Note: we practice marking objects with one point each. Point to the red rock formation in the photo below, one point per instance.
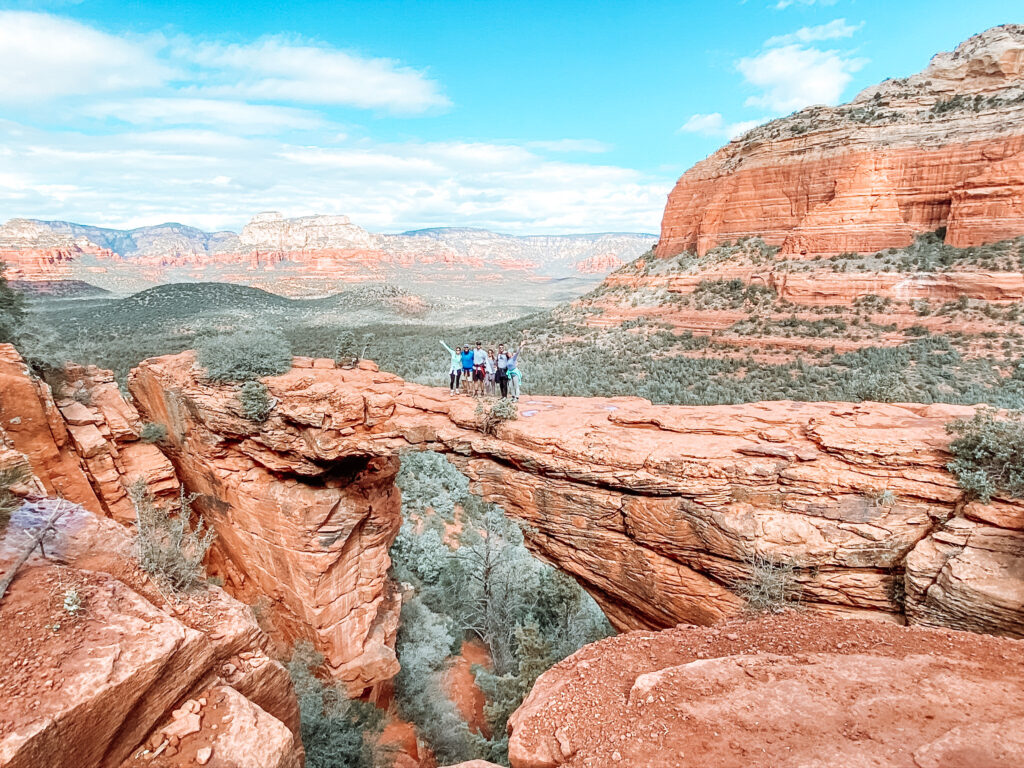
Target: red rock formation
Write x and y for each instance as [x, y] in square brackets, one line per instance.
[790, 690]
[990, 206]
[938, 149]
[598, 265]
[87, 449]
[656, 510]
[90, 687]
[310, 533]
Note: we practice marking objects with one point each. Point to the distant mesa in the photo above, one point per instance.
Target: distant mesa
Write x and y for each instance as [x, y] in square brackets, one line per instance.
[943, 149]
[330, 246]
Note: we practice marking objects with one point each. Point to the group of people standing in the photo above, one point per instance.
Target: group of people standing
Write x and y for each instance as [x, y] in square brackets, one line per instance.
[481, 372]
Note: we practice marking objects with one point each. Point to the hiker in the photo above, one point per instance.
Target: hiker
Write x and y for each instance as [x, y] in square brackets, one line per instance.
[479, 369]
[515, 378]
[455, 370]
[467, 368]
[501, 371]
[490, 369]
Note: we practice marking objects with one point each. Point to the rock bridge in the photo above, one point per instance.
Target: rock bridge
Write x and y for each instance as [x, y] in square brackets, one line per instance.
[658, 511]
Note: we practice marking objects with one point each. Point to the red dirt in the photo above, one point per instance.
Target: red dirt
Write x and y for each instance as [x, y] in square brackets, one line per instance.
[461, 687]
[39, 636]
[802, 702]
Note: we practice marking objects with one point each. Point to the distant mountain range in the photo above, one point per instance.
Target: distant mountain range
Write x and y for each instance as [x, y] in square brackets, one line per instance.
[314, 247]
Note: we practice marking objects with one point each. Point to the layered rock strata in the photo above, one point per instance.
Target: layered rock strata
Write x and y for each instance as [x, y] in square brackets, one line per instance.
[660, 512]
[82, 443]
[940, 149]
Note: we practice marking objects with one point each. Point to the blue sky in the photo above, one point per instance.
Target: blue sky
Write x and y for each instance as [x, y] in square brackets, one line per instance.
[525, 117]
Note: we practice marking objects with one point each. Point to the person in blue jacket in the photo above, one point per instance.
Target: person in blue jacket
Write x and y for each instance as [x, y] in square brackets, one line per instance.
[467, 368]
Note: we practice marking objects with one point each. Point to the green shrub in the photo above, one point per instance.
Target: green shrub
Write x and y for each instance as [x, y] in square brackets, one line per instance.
[498, 413]
[10, 476]
[152, 432]
[337, 732]
[884, 498]
[770, 585]
[244, 354]
[255, 400]
[165, 542]
[485, 586]
[988, 454]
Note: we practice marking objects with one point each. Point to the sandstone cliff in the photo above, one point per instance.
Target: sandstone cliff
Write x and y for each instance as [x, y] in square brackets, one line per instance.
[130, 673]
[940, 149]
[99, 684]
[660, 512]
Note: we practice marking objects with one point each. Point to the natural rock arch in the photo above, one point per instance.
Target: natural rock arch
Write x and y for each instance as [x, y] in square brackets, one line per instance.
[655, 510]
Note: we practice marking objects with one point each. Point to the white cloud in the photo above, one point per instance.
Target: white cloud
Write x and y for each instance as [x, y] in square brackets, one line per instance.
[235, 115]
[793, 76]
[277, 69]
[834, 30]
[214, 180]
[783, 4]
[44, 57]
[208, 132]
[590, 146]
[714, 125]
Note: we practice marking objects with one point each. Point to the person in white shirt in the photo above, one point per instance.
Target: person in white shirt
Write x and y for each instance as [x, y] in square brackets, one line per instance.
[490, 370]
[479, 369]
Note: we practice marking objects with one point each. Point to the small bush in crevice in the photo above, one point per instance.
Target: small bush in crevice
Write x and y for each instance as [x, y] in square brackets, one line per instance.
[988, 454]
[166, 544]
[152, 432]
[255, 400]
[82, 395]
[245, 354]
[885, 498]
[8, 501]
[493, 415]
[337, 732]
[770, 586]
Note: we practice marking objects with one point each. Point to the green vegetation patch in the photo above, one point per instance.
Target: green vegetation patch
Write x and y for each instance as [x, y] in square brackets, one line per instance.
[988, 454]
[475, 580]
[244, 354]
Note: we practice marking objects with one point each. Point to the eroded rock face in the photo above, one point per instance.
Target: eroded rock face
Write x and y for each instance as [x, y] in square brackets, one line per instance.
[658, 511]
[82, 443]
[790, 690]
[940, 149]
[87, 681]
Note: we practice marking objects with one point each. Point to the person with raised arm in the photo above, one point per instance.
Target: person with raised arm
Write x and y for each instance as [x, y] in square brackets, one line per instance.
[455, 370]
[515, 377]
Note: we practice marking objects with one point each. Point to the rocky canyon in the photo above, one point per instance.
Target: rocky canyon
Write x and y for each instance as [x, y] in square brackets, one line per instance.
[659, 512]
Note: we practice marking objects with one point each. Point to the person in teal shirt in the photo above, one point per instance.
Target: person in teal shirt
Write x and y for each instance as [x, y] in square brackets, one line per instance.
[455, 371]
